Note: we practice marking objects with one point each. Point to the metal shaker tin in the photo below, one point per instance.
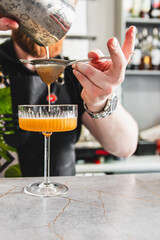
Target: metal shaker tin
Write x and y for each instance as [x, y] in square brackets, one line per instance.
[44, 21]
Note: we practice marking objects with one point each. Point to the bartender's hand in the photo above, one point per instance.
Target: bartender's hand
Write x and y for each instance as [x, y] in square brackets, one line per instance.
[99, 78]
[7, 23]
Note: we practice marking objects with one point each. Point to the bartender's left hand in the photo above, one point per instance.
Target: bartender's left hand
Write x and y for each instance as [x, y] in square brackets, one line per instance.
[99, 78]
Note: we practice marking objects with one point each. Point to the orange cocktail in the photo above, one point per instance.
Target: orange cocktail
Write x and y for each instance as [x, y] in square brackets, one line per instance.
[48, 124]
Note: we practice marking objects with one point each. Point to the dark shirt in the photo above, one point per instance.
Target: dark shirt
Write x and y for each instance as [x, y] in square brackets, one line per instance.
[27, 88]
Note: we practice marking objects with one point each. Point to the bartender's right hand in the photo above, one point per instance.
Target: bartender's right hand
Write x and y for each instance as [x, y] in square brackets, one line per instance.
[7, 23]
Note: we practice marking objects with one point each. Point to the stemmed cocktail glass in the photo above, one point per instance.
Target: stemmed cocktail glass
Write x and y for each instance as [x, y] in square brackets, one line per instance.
[47, 119]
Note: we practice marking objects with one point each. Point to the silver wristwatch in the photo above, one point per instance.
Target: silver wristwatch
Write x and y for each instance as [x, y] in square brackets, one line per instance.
[111, 105]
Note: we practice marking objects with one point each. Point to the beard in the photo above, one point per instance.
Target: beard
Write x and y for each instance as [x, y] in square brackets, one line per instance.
[33, 49]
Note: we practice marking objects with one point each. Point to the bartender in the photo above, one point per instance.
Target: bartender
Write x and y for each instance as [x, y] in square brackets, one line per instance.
[91, 86]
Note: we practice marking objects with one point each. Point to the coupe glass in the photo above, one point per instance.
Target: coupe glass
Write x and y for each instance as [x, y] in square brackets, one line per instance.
[47, 119]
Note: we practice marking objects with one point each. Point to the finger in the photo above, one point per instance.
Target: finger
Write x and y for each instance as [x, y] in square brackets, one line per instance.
[88, 76]
[84, 80]
[128, 46]
[86, 71]
[8, 24]
[95, 54]
[119, 61]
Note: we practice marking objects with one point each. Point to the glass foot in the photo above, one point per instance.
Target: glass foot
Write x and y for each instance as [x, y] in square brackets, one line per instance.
[45, 190]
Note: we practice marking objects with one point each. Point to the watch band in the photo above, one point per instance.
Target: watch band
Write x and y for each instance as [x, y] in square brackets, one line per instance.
[109, 108]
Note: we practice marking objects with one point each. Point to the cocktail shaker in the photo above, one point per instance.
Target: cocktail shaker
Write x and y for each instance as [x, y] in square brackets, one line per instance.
[44, 21]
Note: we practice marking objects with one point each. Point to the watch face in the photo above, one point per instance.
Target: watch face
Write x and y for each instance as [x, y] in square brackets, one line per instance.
[114, 103]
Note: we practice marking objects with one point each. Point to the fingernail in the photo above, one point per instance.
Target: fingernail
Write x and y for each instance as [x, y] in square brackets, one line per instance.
[13, 25]
[114, 43]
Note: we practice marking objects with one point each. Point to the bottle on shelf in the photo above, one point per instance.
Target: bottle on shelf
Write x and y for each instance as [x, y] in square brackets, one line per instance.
[136, 8]
[146, 51]
[136, 57]
[154, 11]
[155, 51]
[128, 8]
[145, 7]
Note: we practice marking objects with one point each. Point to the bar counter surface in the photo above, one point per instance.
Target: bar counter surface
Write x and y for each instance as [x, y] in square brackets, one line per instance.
[110, 207]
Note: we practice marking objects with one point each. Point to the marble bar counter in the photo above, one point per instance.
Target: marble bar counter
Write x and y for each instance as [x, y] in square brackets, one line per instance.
[110, 207]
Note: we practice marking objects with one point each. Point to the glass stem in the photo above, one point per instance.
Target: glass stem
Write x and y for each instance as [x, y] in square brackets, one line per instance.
[46, 180]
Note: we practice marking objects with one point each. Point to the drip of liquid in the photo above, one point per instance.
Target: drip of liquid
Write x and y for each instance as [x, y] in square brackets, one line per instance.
[47, 51]
[49, 85]
[49, 94]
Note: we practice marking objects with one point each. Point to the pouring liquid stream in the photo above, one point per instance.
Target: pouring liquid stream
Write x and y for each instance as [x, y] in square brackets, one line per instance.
[47, 51]
[49, 85]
